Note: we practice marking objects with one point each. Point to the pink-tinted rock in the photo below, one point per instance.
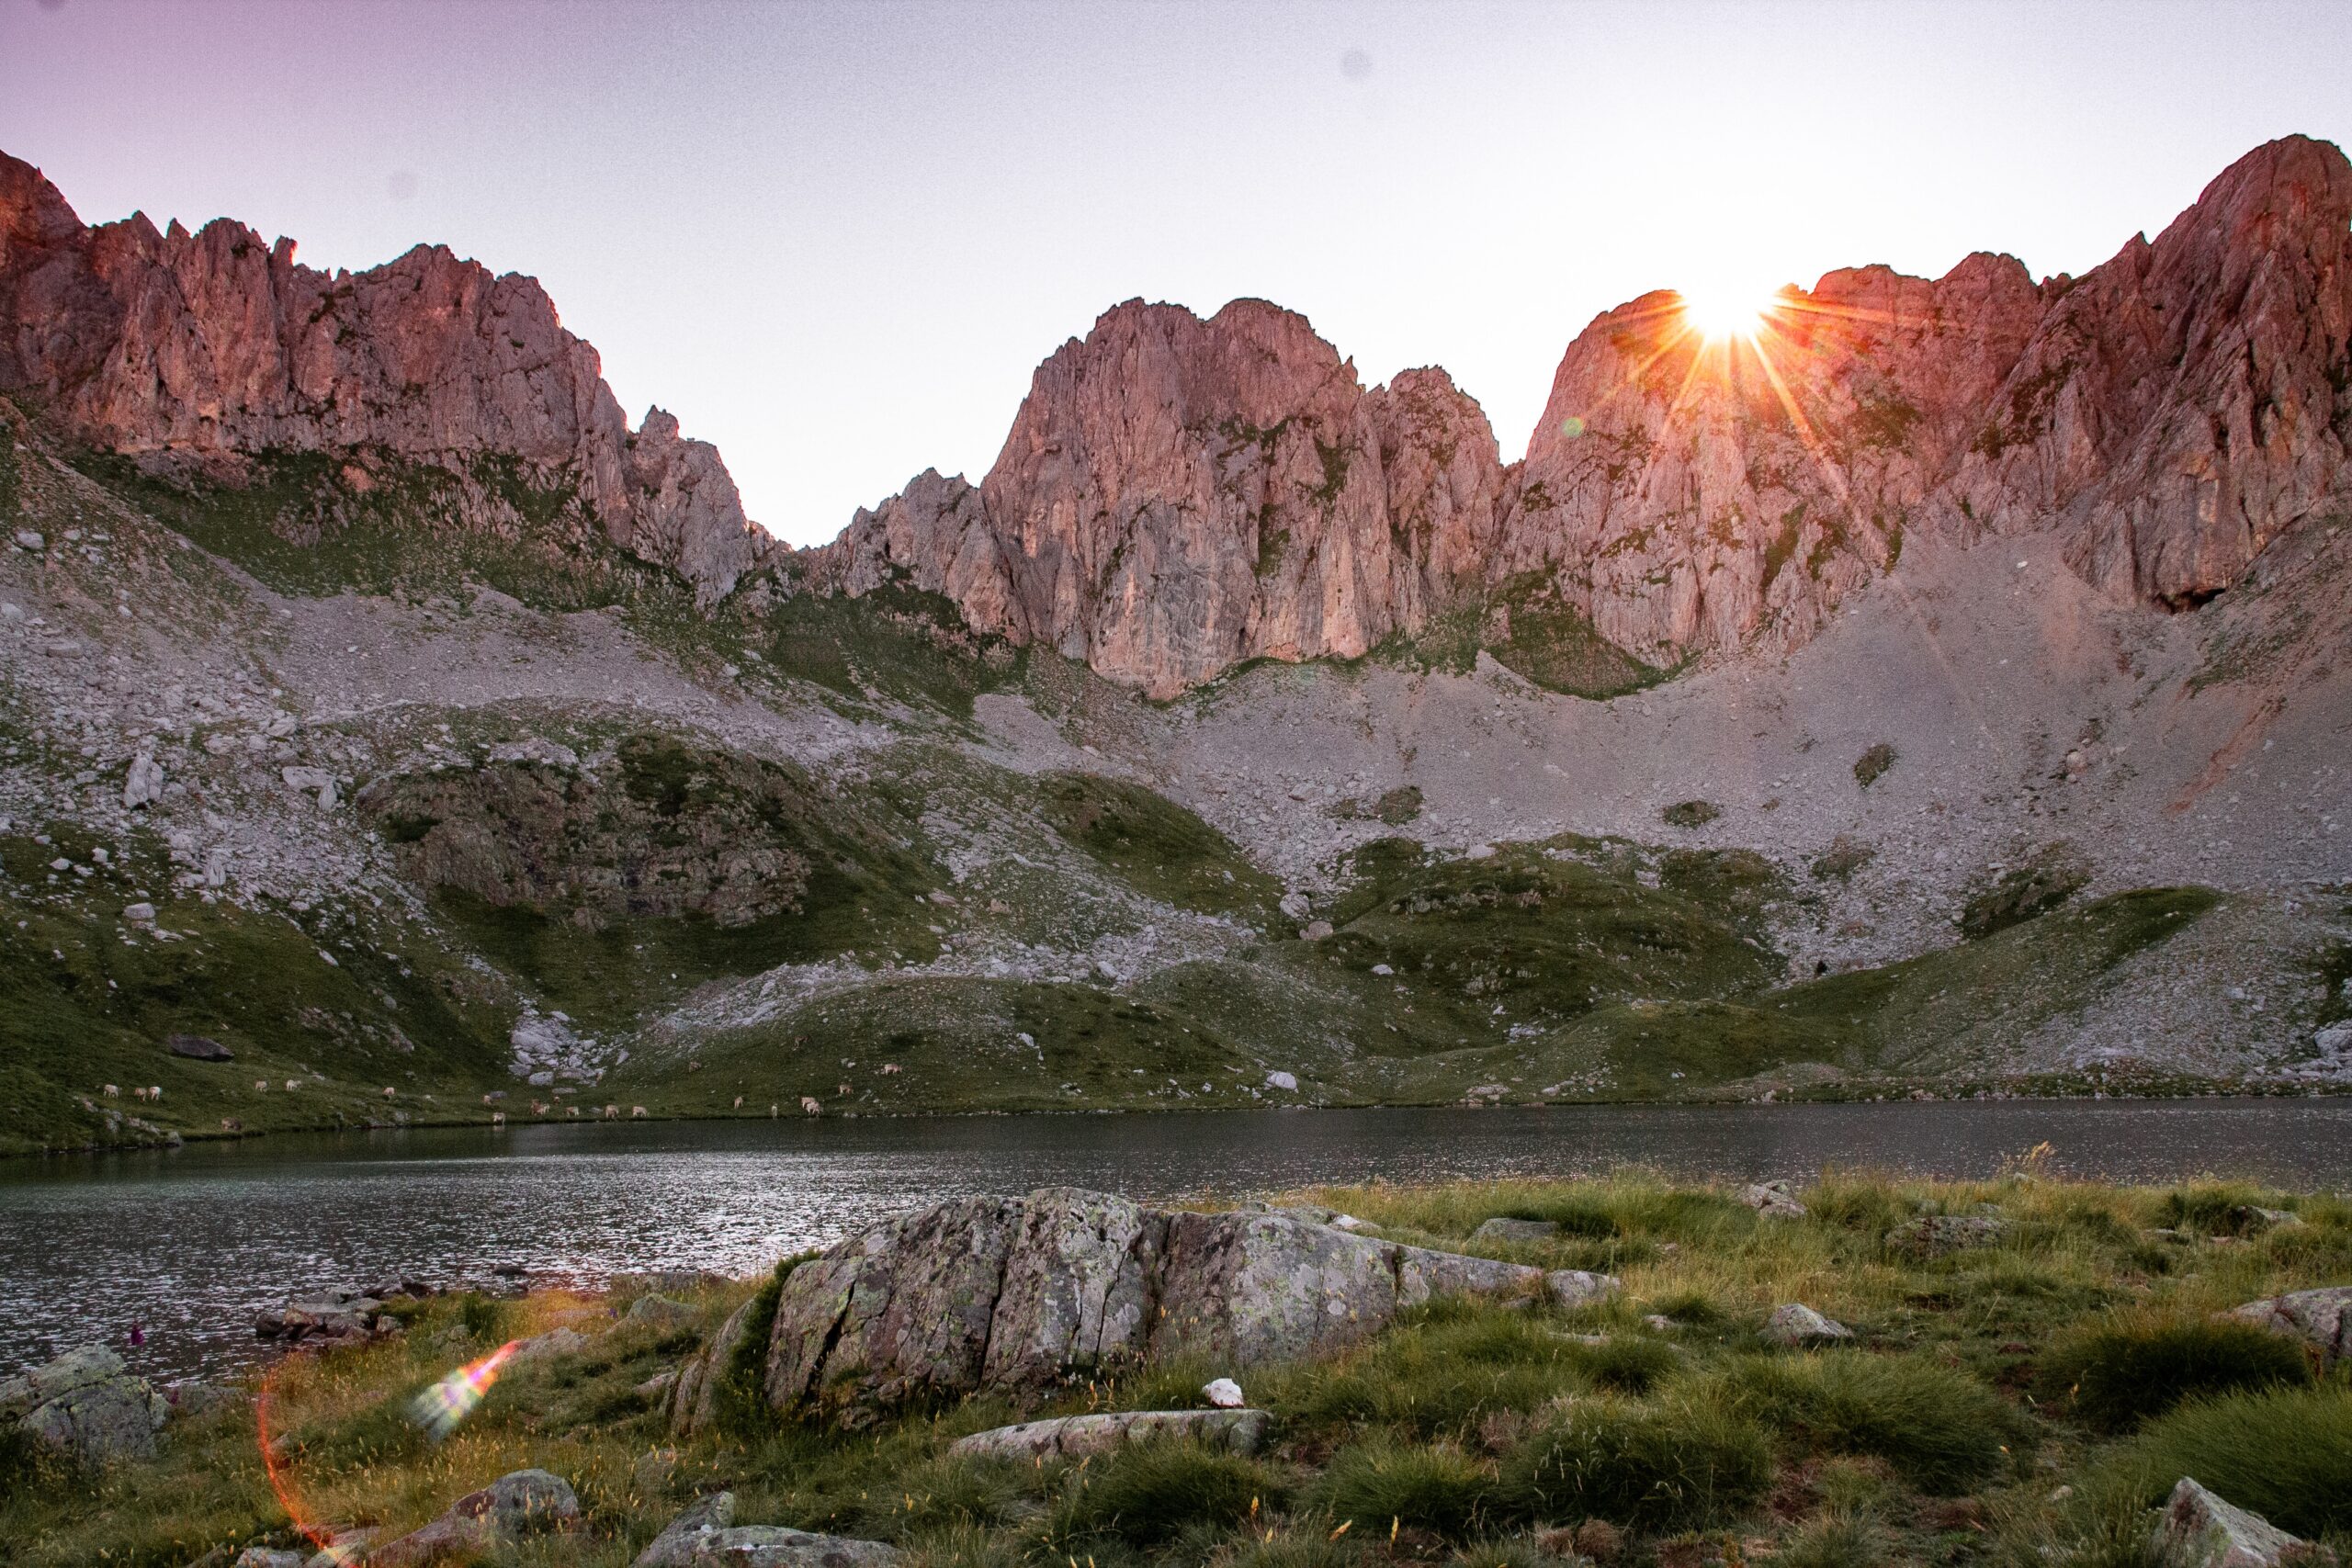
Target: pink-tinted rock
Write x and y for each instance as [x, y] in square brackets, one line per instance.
[208, 348]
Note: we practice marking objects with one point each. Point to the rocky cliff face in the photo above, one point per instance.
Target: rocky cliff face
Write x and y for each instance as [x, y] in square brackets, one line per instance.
[1179, 495]
[208, 348]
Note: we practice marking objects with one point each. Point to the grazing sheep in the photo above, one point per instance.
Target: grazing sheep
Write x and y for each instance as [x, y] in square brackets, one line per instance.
[111, 1091]
[637, 1111]
[844, 1089]
[809, 1103]
[261, 1086]
[611, 1112]
[156, 1091]
[390, 1091]
[138, 1092]
[889, 1069]
[772, 1109]
[293, 1084]
[498, 1118]
[738, 1103]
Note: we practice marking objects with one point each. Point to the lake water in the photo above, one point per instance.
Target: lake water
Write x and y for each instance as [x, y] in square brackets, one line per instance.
[191, 1242]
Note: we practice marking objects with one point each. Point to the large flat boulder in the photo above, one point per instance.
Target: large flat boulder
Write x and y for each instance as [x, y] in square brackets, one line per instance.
[1019, 1295]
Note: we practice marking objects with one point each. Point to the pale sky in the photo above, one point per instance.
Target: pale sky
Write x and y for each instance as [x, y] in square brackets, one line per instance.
[836, 240]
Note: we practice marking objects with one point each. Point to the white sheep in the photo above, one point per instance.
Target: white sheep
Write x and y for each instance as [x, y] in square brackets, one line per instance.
[111, 1091]
[390, 1091]
[811, 1104]
[637, 1111]
[261, 1086]
[498, 1118]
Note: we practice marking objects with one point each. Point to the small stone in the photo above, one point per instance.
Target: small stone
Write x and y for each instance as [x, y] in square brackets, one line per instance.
[1772, 1199]
[26, 539]
[1223, 1393]
[1792, 1323]
[1501, 1228]
[1286, 1081]
[1578, 1287]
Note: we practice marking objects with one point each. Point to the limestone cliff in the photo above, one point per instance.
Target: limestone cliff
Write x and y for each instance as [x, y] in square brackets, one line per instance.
[1179, 495]
[208, 348]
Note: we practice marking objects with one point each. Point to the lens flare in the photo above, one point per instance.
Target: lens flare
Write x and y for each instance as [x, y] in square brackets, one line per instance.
[440, 1408]
[1728, 310]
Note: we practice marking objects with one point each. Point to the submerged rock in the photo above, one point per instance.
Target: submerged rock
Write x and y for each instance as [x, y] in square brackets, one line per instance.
[86, 1404]
[1071, 1437]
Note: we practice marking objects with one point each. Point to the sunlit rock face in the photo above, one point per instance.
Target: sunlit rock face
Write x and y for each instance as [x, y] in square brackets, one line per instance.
[1179, 495]
[210, 347]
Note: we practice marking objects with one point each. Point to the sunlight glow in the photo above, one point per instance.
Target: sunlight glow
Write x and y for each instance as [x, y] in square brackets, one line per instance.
[1720, 311]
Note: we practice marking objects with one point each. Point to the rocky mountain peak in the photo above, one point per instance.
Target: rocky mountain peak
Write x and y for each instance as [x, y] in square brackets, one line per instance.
[208, 349]
[1180, 494]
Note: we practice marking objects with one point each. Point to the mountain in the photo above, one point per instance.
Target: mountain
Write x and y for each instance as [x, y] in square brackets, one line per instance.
[1178, 496]
[1941, 696]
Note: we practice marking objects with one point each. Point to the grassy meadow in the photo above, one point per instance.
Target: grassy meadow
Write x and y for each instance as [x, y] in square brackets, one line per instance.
[2025, 1403]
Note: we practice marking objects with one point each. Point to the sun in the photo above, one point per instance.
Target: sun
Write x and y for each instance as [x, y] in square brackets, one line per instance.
[1721, 312]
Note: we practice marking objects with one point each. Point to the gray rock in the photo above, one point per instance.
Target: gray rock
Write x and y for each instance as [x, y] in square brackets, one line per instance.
[86, 1404]
[547, 1347]
[2200, 1531]
[1772, 1199]
[198, 1048]
[1021, 1295]
[1792, 1323]
[2320, 1318]
[694, 1396]
[521, 1503]
[1578, 1287]
[1501, 1228]
[325, 1319]
[1939, 1235]
[773, 1546]
[269, 1557]
[684, 1536]
[1073, 1437]
[659, 1311]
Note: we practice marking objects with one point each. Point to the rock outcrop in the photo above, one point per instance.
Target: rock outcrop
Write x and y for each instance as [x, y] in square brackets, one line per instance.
[201, 351]
[1179, 495]
[1019, 1295]
[1075, 1437]
[86, 1404]
[515, 1505]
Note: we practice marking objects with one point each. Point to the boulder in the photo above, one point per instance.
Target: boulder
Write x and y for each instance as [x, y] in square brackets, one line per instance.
[522, 1503]
[2252, 1219]
[773, 1546]
[1502, 1228]
[2200, 1531]
[693, 1392]
[1939, 1235]
[1792, 1323]
[198, 1048]
[1578, 1287]
[684, 1536]
[269, 1557]
[84, 1403]
[1019, 1295]
[1772, 1199]
[659, 1311]
[1073, 1437]
[547, 1347]
[2320, 1318]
